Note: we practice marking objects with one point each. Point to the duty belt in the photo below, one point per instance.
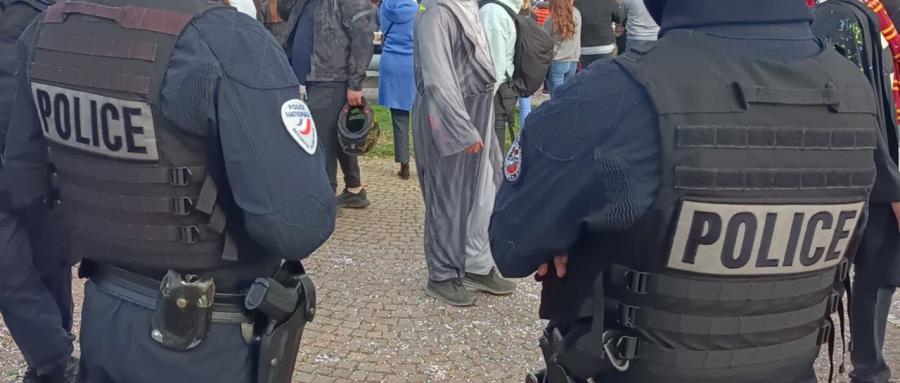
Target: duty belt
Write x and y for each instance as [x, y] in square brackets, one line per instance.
[143, 291]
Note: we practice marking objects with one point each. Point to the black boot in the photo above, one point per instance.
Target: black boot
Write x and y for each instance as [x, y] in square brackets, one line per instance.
[66, 372]
[404, 171]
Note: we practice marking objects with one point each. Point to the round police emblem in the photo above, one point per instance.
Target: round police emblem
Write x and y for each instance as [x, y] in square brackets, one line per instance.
[300, 125]
[512, 165]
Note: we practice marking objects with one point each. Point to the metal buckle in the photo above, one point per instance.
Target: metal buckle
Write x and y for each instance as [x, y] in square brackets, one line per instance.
[636, 281]
[833, 301]
[182, 205]
[612, 346]
[188, 234]
[628, 315]
[180, 176]
[843, 270]
[825, 334]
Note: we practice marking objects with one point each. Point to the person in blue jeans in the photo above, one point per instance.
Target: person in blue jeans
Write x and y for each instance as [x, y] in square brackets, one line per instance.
[396, 82]
[564, 24]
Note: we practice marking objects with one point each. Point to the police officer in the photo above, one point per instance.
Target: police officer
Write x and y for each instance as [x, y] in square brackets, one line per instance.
[187, 171]
[36, 292]
[691, 206]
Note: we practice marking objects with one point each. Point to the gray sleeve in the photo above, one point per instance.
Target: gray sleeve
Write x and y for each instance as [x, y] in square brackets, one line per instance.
[618, 12]
[357, 19]
[451, 124]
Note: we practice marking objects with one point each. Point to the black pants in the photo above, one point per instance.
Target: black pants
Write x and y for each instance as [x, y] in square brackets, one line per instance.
[400, 120]
[36, 287]
[505, 102]
[325, 103]
[587, 60]
[116, 347]
[869, 314]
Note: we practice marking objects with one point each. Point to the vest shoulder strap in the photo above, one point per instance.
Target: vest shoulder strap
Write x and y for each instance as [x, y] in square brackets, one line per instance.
[162, 17]
[684, 62]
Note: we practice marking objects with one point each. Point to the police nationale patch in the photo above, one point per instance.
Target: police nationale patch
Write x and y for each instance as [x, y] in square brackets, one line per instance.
[512, 165]
[300, 125]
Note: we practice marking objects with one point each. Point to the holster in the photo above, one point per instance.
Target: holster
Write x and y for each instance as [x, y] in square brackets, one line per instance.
[551, 343]
[283, 305]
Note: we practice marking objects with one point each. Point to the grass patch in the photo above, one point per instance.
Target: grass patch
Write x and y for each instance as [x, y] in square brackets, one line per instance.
[385, 146]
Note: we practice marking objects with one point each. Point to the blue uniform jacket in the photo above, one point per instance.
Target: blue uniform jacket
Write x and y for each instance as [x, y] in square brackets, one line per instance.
[590, 157]
[228, 78]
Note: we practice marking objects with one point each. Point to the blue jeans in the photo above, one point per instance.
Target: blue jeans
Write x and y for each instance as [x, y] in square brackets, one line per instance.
[524, 110]
[560, 71]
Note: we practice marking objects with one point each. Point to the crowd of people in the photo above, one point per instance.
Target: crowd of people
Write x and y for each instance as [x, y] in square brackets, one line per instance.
[691, 207]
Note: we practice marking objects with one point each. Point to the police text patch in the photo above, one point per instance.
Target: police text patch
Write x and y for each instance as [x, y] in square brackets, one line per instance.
[98, 124]
[720, 239]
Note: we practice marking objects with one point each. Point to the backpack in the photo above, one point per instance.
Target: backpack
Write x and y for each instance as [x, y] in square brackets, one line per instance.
[533, 52]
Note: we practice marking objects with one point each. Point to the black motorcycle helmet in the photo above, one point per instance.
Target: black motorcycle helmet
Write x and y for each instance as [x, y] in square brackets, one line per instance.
[357, 129]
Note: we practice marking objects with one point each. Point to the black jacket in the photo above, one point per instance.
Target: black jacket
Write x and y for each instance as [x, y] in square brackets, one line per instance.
[345, 53]
[15, 15]
[597, 17]
[879, 253]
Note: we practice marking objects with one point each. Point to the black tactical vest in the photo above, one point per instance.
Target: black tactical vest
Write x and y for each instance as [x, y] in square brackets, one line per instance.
[766, 169]
[136, 191]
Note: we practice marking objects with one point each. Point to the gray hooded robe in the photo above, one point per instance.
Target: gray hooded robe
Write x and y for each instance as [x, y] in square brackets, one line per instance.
[454, 110]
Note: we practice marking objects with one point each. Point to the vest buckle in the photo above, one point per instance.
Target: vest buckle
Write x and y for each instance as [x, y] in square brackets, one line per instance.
[188, 234]
[825, 334]
[833, 301]
[628, 315]
[843, 271]
[636, 281]
[182, 206]
[180, 176]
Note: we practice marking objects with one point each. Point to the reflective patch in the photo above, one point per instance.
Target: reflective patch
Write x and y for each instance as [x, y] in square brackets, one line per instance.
[98, 124]
[300, 125]
[720, 239]
[512, 165]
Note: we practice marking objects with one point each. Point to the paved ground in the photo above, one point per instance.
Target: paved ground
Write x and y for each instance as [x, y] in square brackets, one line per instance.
[375, 322]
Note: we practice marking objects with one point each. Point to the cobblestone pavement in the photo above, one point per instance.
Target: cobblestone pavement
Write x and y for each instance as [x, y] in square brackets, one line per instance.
[376, 324]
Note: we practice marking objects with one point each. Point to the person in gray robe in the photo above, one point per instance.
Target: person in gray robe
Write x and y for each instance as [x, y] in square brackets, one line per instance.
[457, 153]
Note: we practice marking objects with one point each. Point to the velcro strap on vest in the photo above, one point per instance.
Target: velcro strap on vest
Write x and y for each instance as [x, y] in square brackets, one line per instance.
[130, 17]
[138, 50]
[732, 291]
[179, 206]
[766, 137]
[712, 359]
[754, 94]
[116, 172]
[692, 178]
[120, 82]
[188, 234]
[143, 291]
[648, 318]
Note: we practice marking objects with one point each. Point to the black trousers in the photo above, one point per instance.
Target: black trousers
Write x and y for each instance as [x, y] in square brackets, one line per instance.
[36, 287]
[116, 347]
[400, 120]
[325, 103]
[587, 60]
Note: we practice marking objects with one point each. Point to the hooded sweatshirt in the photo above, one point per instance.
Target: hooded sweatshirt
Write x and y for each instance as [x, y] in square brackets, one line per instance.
[500, 30]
